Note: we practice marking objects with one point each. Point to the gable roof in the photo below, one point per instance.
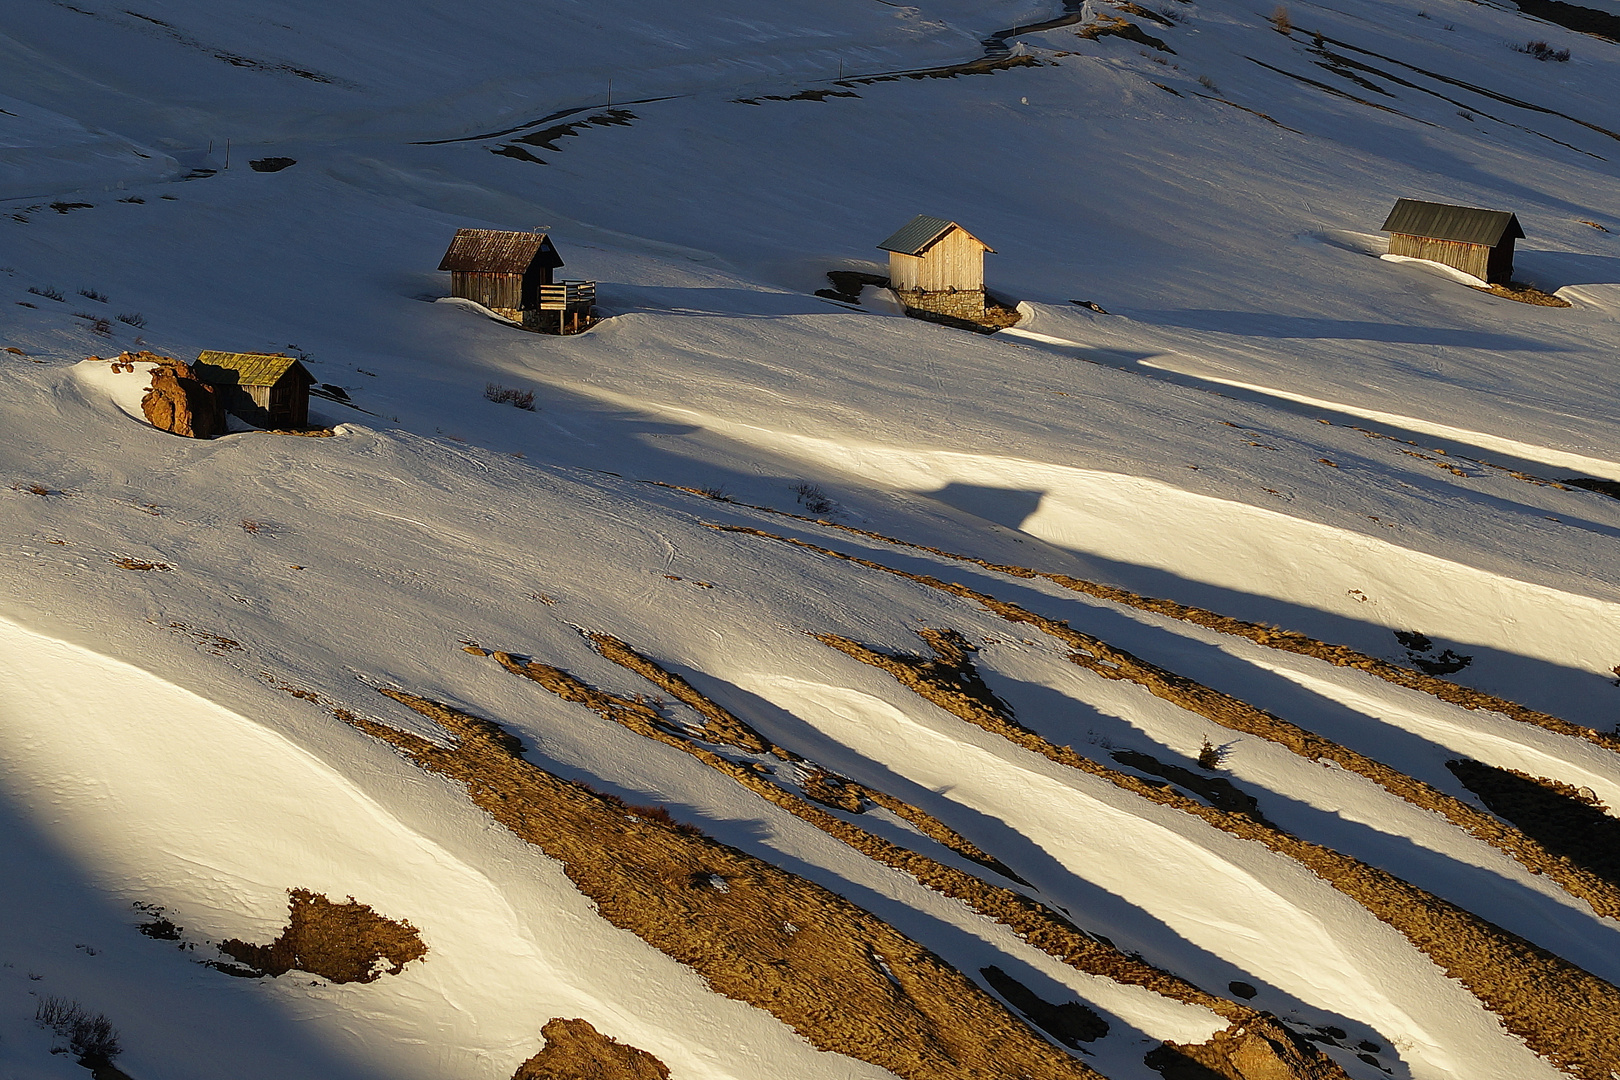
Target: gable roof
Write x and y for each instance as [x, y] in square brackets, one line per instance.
[921, 233]
[246, 368]
[493, 251]
[1463, 224]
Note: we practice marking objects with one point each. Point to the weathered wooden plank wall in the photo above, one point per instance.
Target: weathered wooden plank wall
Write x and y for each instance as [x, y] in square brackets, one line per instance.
[1472, 259]
[957, 261]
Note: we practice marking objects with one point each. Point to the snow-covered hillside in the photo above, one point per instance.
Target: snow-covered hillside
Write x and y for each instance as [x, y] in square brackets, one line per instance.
[925, 560]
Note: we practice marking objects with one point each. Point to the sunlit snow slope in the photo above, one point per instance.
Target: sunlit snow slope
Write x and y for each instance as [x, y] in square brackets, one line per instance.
[1217, 395]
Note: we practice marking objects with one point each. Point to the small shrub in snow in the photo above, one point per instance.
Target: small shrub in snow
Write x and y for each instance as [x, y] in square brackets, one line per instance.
[506, 395]
[133, 318]
[1543, 51]
[92, 294]
[49, 292]
[1208, 84]
[1281, 20]
[715, 492]
[1210, 756]
[813, 499]
[91, 1036]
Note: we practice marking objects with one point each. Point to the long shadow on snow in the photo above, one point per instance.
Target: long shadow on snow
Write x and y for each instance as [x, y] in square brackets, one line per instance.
[732, 303]
[1260, 324]
[60, 921]
[1483, 891]
[1571, 693]
[1134, 362]
[960, 948]
[1092, 907]
[1554, 269]
[1010, 507]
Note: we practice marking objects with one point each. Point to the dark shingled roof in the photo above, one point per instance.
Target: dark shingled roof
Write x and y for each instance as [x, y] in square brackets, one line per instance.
[245, 368]
[1463, 224]
[921, 233]
[492, 251]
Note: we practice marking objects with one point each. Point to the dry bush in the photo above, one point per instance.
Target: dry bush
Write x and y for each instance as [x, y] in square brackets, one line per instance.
[836, 974]
[575, 1050]
[506, 395]
[343, 943]
[1280, 19]
[1564, 1013]
[1543, 51]
[91, 1036]
[1037, 924]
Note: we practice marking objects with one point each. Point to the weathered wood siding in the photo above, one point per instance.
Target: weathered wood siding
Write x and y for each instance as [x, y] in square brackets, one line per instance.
[288, 403]
[956, 261]
[492, 290]
[1488, 264]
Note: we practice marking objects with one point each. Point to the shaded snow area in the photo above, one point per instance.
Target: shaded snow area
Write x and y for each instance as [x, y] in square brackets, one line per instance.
[1222, 393]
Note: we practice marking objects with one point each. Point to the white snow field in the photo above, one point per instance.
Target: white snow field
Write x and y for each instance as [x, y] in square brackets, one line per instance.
[1257, 415]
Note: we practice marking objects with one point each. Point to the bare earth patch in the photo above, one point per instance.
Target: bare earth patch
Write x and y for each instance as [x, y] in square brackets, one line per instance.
[844, 979]
[1262, 1037]
[347, 942]
[577, 1051]
[1562, 1012]
[1525, 294]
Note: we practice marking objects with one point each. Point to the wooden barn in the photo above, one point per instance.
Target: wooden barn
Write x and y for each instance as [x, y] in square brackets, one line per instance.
[936, 265]
[511, 274]
[1477, 242]
[268, 390]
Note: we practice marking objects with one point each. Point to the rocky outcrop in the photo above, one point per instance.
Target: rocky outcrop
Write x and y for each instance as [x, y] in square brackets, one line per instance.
[179, 402]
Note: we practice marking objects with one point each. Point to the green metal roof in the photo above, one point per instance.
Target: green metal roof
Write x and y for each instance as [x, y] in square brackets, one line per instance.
[245, 368]
[1463, 224]
[921, 233]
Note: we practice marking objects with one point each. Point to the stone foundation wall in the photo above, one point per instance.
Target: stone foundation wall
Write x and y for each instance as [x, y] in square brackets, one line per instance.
[962, 305]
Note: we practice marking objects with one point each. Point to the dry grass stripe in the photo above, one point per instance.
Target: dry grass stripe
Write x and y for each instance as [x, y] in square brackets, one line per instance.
[1256, 1035]
[1230, 712]
[844, 979]
[1259, 633]
[1566, 1014]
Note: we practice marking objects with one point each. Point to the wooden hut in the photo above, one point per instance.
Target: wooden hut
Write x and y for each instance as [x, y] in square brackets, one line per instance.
[268, 390]
[936, 265]
[511, 274]
[1477, 242]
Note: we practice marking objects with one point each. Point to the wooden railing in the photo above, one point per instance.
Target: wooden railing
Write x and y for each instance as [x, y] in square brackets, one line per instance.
[564, 295]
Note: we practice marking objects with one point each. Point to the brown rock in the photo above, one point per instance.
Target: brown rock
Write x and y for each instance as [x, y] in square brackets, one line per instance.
[577, 1051]
[180, 403]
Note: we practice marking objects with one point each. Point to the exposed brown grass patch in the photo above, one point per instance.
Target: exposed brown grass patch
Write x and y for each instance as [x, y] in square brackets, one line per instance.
[1561, 1011]
[1036, 923]
[139, 564]
[839, 976]
[1525, 294]
[344, 943]
[1115, 26]
[951, 673]
[575, 1050]
[1260, 633]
